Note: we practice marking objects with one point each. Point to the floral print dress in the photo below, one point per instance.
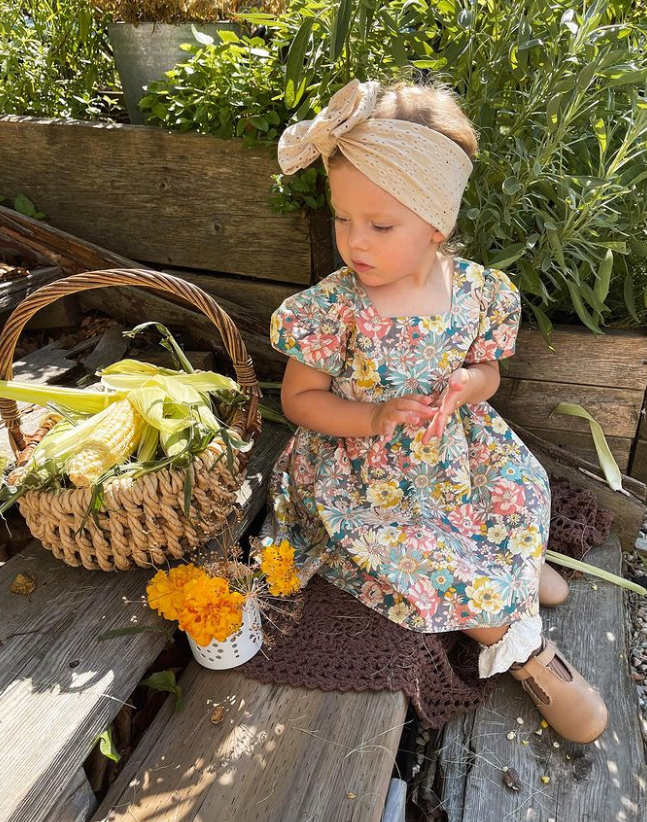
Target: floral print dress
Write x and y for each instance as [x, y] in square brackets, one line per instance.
[437, 537]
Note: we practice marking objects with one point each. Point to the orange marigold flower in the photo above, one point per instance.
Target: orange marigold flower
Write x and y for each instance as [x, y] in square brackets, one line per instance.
[277, 563]
[210, 610]
[165, 591]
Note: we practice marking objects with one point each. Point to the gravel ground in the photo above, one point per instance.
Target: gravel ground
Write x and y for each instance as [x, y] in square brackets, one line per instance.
[635, 569]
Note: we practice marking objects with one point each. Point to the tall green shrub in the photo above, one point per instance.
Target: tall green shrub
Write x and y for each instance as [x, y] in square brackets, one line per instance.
[54, 60]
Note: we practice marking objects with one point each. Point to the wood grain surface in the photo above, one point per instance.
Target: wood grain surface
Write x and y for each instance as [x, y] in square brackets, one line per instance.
[280, 754]
[173, 199]
[60, 686]
[601, 782]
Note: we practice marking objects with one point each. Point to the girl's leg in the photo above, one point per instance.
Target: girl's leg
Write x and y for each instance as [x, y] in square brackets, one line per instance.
[553, 588]
[564, 698]
[506, 644]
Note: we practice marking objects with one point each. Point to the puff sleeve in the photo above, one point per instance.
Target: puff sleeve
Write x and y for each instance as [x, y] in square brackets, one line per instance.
[499, 319]
[312, 327]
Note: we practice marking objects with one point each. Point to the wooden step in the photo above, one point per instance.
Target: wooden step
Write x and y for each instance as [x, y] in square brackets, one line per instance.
[599, 782]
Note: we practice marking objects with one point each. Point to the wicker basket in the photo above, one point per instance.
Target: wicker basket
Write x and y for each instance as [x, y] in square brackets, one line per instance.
[142, 521]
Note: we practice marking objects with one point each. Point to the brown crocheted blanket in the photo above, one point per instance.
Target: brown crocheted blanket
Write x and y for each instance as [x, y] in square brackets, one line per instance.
[340, 644]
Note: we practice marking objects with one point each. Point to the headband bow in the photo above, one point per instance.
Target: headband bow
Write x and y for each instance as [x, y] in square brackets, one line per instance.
[419, 166]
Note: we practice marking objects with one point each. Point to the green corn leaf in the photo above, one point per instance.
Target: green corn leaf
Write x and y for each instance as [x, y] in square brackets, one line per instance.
[584, 567]
[295, 81]
[168, 340]
[151, 402]
[148, 444]
[107, 746]
[605, 457]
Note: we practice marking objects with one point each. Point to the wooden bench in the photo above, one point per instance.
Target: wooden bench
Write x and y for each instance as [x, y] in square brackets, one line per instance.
[292, 751]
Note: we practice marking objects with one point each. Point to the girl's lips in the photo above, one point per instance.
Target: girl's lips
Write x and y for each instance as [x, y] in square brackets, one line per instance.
[361, 267]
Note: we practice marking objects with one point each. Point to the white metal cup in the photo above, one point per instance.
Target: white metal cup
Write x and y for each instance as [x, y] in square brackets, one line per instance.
[236, 649]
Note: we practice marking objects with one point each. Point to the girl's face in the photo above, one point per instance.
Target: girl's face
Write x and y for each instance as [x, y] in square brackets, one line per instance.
[378, 237]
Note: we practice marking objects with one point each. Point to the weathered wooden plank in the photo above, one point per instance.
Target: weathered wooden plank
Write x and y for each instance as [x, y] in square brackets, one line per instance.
[639, 463]
[126, 303]
[192, 200]
[628, 508]
[77, 803]
[58, 682]
[598, 782]
[616, 359]
[529, 403]
[13, 292]
[111, 347]
[581, 444]
[243, 298]
[281, 754]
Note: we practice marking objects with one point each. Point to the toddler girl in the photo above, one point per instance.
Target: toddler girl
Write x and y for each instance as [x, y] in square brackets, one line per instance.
[402, 485]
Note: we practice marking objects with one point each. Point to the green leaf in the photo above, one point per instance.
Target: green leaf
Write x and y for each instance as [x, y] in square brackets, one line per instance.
[630, 299]
[23, 205]
[601, 133]
[508, 255]
[586, 75]
[202, 37]
[556, 245]
[603, 279]
[165, 681]
[545, 325]
[580, 308]
[586, 568]
[294, 72]
[107, 747]
[510, 186]
[340, 28]
[638, 247]
[552, 111]
[607, 462]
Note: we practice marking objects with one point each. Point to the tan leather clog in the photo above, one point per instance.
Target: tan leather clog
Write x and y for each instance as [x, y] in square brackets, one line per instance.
[574, 709]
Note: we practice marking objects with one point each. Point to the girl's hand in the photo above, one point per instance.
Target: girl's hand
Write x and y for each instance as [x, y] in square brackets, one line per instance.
[455, 395]
[411, 410]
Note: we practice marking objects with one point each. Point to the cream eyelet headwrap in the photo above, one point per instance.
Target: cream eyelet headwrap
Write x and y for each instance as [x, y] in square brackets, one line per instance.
[420, 167]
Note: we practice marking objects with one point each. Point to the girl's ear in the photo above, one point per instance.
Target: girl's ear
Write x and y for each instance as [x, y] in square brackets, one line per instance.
[437, 236]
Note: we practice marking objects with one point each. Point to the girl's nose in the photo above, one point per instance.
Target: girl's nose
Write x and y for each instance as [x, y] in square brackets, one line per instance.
[358, 239]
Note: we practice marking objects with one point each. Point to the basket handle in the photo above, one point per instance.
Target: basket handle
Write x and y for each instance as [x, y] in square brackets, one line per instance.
[141, 278]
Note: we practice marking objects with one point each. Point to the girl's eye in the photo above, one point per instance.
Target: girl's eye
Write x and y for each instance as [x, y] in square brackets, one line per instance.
[382, 227]
[340, 219]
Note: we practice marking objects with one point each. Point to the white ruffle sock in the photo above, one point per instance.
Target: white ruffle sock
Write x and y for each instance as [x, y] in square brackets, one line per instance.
[519, 641]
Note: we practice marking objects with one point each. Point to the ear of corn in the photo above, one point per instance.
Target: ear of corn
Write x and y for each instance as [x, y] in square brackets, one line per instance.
[112, 442]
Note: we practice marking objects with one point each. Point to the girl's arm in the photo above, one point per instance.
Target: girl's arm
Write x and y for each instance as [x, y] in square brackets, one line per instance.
[307, 400]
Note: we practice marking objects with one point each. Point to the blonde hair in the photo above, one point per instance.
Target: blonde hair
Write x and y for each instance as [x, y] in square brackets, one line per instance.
[434, 105]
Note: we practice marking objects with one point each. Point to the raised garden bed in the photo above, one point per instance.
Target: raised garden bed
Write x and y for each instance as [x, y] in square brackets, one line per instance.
[185, 200]
[606, 374]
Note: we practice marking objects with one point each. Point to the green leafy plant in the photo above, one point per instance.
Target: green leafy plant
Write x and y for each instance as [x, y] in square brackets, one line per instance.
[227, 89]
[23, 205]
[107, 746]
[556, 92]
[165, 681]
[54, 60]
[556, 196]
